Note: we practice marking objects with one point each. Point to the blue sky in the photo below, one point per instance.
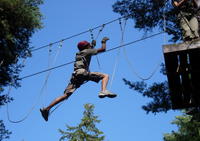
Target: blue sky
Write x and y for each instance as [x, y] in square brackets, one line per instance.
[122, 117]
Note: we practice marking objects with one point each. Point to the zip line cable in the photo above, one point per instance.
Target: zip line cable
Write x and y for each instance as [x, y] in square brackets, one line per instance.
[118, 53]
[61, 41]
[49, 69]
[78, 34]
[114, 48]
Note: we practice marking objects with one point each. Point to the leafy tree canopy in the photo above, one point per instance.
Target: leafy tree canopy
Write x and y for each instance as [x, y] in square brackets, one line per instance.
[150, 14]
[158, 92]
[19, 19]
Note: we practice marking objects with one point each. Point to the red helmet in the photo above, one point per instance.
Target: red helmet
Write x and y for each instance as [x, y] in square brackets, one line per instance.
[82, 45]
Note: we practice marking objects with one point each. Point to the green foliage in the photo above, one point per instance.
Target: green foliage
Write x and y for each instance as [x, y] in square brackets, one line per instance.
[158, 92]
[86, 130]
[19, 19]
[149, 14]
[189, 129]
[4, 134]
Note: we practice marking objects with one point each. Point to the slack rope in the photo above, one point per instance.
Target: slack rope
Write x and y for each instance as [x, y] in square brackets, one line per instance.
[118, 52]
[92, 37]
[39, 96]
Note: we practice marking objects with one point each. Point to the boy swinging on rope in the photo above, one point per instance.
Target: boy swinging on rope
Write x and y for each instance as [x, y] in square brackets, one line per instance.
[82, 74]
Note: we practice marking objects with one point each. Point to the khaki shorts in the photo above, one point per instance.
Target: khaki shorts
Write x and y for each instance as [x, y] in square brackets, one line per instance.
[80, 77]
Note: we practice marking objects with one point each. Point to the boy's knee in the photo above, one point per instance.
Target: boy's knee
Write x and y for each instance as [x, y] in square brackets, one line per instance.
[66, 95]
[106, 76]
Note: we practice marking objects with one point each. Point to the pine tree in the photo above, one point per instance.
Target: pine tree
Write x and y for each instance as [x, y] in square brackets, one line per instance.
[188, 129]
[4, 133]
[86, 130]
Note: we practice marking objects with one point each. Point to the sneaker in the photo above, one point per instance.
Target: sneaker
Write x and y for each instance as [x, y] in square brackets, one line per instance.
[45, 114]
[106, 93]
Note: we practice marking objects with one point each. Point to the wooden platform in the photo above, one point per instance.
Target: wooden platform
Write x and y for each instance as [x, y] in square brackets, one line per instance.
[182, 63]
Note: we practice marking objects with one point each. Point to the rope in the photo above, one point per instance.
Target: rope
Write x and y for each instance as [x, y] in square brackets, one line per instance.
[114, 48]
[101, 29]
[186, 21]
[92, 37]
[118, 53]
[28, 113]
[41, 91]
[78, 34]
[22, 119]
[136, 73]
[51, 64]
[157, 66]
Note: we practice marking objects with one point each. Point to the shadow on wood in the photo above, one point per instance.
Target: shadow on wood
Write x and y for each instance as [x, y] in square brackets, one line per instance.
[182, 63]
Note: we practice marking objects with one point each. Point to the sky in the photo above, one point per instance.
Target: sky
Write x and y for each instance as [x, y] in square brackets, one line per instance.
[121, 118]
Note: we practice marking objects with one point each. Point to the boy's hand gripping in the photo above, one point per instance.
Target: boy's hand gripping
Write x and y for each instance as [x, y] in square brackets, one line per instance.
[93, 43]
[104, 40]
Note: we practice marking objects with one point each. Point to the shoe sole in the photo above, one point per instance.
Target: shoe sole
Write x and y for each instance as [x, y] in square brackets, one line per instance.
[44, 114]
[102, 96]
[109, 96]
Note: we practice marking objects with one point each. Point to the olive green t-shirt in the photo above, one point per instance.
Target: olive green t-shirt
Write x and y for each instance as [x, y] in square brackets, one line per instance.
[83, 58]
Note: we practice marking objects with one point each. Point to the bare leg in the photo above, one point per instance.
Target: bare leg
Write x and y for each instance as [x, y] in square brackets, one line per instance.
[57, 100]
[104, 92]
[104, 82]
[67, 93]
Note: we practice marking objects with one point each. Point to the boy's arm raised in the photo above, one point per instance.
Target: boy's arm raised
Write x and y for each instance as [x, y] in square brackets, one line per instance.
[103, 47]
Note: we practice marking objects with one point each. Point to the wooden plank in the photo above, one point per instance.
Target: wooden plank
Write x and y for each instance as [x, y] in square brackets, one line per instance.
[182, 46]
[171, 62]
[183, 72]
